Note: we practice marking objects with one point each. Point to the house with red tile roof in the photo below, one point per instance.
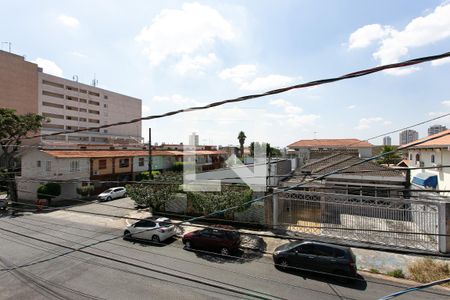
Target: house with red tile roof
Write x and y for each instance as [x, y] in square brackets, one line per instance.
[72, 168]
[430, 155]
[307, 150]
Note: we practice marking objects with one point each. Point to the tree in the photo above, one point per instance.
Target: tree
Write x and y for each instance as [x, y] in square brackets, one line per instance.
[241, 137]
[393, 158]
[229, 196]
[13, 128]
[85, 191]
[49, 191]
[155, 194]
[270, 151]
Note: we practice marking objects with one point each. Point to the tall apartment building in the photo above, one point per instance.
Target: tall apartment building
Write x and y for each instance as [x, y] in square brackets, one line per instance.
[387, 141]
[193, 139]
[436, 129]
[408, 136]
[67, 104]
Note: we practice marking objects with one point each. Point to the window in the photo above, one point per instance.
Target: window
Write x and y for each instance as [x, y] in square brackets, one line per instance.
[410, 156]
[105, 105]
[145, 223]
[105, 97]
[49, 104]
[74, 166]
[71, 108]
[83, 100]
[124, 162]
[94, 94]
[72, 98]
[102, 164]
[94, 102]
[83, 110]
[306, 249]
[339, 253]
[96, 112]
[72, 118]
[141, 161]
[321, 250]
[38, 164]
[51, 94]
[48, 166]
[83, 120]
[55, 116]
[105, 130]
[432, 158]
[94, 121]
[54, 84]
[83, 91]
[71, 88]
[417, 157]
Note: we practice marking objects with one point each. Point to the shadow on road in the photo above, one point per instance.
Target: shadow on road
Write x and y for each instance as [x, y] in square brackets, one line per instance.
[358, 283]
[252, 247]
[148, 243]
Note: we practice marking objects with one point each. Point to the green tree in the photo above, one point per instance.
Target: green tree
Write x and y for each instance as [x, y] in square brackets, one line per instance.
[13, 129]
[49, 191]
[155, 194]
[229, 196]
[393, 158]
[270, 151]
[241, 137]
[85, 191]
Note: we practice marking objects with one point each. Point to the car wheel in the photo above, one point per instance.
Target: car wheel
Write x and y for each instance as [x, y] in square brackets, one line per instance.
[125, 195]
[127, 235]
[108, 199]
[283, 264]
[224, 251]
[155, 239]
[188, 245]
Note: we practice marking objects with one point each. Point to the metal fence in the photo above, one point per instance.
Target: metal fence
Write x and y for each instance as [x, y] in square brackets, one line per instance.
[401, 223]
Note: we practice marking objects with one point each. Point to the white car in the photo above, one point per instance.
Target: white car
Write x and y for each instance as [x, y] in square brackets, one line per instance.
[112, 193]
[153, 230]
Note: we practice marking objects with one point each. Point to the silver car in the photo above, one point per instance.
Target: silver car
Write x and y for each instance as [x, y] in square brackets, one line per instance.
[153, 230]
[112, 193]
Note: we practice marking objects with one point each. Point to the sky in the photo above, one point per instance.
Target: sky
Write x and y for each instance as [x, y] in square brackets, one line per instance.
[177, 54]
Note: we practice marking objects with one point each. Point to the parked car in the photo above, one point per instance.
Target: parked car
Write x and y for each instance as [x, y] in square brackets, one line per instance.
[152, 230]
[224, 240]
[112, 193]
[316, 256]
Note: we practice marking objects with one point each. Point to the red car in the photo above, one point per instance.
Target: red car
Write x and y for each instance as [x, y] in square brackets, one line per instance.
[213, 239]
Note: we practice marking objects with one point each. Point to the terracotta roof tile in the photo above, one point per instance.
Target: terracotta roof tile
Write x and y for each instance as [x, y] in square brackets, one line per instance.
[331, 143]
[442, 140]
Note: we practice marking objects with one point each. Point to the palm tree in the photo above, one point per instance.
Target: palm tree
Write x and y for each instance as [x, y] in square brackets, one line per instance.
[241, 138]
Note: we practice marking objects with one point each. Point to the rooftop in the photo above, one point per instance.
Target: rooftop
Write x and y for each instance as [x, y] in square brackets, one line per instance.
[124, 153]
[331, 143]
[440, 139]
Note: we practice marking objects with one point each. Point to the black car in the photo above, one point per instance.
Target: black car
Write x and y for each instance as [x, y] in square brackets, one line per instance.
[316, 256]
[215, 239]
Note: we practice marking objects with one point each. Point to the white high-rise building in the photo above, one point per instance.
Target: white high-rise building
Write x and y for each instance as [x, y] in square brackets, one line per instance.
[193, 139]
[387, 141]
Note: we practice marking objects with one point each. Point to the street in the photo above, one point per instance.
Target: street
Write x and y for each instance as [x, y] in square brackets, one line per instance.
[75, 255]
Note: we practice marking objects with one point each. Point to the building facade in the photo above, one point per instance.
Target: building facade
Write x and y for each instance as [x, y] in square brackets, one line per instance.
[387, 141]
[408, 136]
[68, 105]
[436, 129]
[193, 139]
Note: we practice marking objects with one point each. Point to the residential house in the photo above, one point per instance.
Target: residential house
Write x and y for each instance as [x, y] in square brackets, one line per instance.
[318, 148]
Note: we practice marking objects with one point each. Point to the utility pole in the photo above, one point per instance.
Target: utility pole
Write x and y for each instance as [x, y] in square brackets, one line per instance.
[150, 175]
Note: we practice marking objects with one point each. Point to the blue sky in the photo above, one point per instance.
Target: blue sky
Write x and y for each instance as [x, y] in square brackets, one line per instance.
[174, 54]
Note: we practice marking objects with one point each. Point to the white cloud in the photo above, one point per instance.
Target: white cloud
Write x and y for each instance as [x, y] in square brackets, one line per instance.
[302, 120]
[68, 21]
[440, 62]
[367, 34]
[446, 102]
[287, 106]
[394, 44]
[78, 54]
[238, 73]
[267, 82]
[351, 106]
[366, 123]
[197, 64]
[145, 109]
[182, 31]
[49, 66]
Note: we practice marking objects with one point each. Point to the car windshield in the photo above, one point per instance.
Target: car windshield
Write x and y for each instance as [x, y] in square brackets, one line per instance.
[108, 191]
[164, 224]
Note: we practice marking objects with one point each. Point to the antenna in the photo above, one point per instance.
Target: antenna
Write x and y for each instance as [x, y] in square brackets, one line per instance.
[9, 46]
[94, 81]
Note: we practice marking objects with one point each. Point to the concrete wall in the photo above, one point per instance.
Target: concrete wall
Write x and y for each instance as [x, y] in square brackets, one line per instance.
[18, 83]
[442, 157]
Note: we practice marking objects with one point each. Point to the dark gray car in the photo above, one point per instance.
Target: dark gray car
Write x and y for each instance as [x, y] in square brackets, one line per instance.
[316, 256]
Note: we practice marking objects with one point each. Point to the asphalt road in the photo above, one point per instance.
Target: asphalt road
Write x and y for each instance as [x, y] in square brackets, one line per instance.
[74, 255]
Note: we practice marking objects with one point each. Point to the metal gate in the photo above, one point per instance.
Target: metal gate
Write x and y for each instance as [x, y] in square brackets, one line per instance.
[402, 223]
